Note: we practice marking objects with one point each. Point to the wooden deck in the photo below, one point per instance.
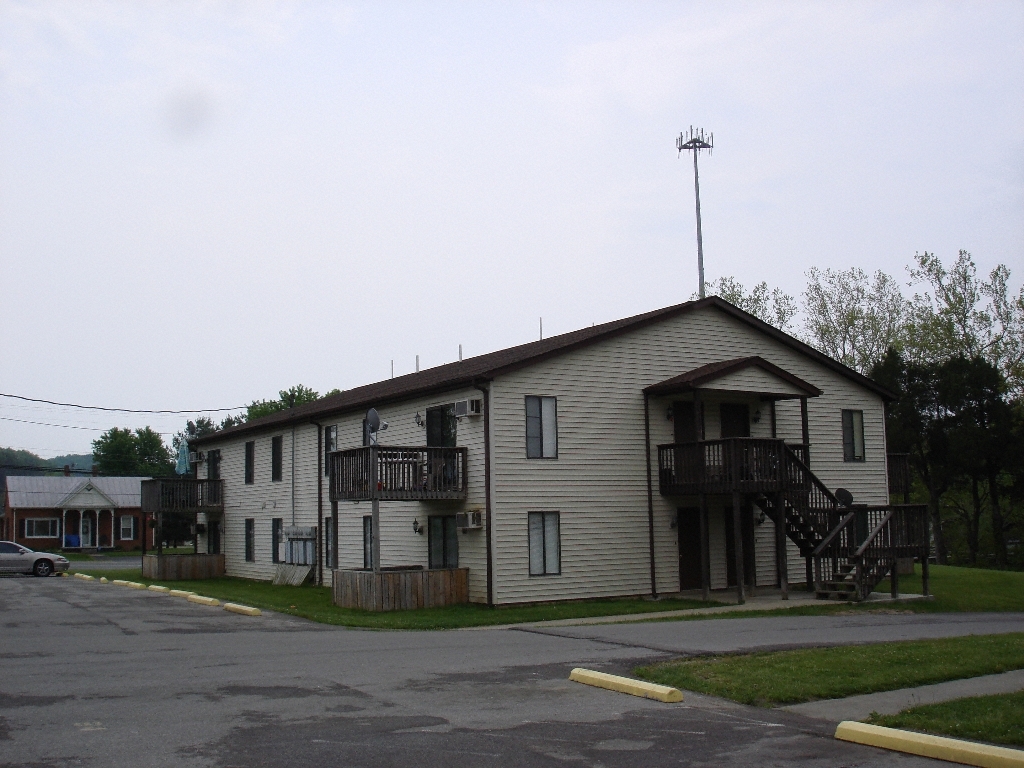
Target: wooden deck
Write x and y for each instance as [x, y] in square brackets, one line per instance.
[182, 494]
[397, 473]
[182, 567]
[737, 464]
[400, 590]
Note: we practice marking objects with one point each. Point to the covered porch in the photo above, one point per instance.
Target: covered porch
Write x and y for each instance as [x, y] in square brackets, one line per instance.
[171, 508]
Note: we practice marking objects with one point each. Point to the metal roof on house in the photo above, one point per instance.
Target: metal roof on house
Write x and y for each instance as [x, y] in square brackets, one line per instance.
[37, 492]
[483, 368]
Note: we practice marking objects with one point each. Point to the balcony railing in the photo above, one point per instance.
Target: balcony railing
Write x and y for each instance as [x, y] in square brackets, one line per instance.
[396, 473]
[736, 464]
[182, 495]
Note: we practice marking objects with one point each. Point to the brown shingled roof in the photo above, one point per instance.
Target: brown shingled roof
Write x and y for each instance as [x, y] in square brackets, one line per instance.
[712, 371]
[485, 367]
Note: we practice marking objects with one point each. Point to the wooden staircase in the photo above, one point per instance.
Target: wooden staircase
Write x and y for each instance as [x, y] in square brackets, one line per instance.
[849, 550]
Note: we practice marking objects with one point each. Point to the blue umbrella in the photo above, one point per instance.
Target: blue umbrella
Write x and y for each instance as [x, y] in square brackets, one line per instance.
[182, 467]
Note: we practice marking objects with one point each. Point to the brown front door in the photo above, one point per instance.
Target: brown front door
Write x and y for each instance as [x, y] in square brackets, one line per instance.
[684, 421]
[689, 548]
[735, 420]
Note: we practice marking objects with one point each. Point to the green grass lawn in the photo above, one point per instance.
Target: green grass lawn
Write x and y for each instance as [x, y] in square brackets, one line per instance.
[314, 603]
[789, 677]
[954, 590]
[996, 719]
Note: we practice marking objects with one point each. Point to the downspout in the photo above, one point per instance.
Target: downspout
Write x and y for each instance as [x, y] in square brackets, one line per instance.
[487, 491]
[650, 493]
[319, 502]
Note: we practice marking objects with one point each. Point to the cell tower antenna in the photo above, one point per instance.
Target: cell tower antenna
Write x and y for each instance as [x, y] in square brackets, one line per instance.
[694, 141]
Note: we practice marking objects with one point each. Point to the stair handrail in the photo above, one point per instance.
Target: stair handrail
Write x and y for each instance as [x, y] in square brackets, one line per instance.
[791, 456]
[874, 534]
[832, 534]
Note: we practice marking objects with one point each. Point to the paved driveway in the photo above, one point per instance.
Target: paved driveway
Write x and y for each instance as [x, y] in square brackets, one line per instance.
[105, 676]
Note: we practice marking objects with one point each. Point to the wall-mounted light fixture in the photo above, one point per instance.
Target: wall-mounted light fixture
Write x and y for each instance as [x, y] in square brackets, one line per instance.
[760, 517]
[416, 527]
[420, 422]
[757, 416]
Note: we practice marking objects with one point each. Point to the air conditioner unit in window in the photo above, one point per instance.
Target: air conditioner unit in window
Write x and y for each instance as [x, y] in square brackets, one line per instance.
[196, 457]
[469, 408]
[468, 521]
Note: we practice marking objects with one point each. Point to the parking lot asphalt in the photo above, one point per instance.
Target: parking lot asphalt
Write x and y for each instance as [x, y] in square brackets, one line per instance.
[99, 675]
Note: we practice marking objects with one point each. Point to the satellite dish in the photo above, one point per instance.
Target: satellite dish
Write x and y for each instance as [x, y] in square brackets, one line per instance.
[845, 497]
[372, 420]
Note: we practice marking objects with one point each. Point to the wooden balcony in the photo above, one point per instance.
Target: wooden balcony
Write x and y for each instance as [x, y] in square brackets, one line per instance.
[397, 473]
[737, 464]
[182, 494]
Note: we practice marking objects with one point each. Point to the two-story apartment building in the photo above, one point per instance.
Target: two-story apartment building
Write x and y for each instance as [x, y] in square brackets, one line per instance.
[648, 455]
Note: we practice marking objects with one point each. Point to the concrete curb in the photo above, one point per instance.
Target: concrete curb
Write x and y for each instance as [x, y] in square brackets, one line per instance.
[120, 582]
[158, 588]
[104, 580]
[180, 593]
[85, 577]
[626, 685]
[134, 585]
[938, 747]
[245, 610]
[203, 600]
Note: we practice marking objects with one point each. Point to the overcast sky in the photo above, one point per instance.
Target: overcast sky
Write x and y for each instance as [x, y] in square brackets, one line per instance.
[204, 203]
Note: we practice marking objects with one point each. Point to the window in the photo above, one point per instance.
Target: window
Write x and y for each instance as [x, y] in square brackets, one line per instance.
[41, 529]
[128, 527]
[276, 526]
[853, 435]
[330, 444]
[250, 540]
[368, 542]
[276, 458]
[250, 462]
[443, 542]
[545, 547]
[541, 428]
[213, 465]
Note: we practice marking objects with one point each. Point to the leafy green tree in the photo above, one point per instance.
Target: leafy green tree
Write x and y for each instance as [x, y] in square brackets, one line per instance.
[854, 318]
[774, 307]
[137, 453]
[287, 398]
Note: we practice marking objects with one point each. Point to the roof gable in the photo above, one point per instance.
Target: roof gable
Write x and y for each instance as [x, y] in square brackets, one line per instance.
[743, 374]
[86, 495]
[483, 368]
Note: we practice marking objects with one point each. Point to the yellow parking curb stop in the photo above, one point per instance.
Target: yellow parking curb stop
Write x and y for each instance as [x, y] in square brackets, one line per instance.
[134, 585]
[180, 593]
[158, 588]
[104, 580]
[203, 600]
[626, 685]
[938, 747]
[245, 610]
[120, 582]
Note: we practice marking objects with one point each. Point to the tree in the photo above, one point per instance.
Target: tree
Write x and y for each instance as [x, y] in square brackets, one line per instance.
[138, 453]
[287, 398]
[853, 318]
[773, 307]
[959, 315]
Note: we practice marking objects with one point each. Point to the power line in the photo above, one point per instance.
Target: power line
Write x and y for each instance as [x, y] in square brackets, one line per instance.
[119, 410]
[68, 426]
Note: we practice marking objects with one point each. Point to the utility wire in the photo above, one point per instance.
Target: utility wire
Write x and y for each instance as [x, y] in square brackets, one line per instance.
[67, 426]
[118, 410]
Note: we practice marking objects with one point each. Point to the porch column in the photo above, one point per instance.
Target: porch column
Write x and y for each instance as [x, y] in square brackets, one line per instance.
[705, 550]
[63, 530]
[781, 560]
[805, 430]
[375, 533]
[334, 538]
[737, 535]
[650, 494]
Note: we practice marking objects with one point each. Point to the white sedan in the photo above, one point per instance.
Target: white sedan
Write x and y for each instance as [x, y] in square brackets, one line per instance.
[15, 558]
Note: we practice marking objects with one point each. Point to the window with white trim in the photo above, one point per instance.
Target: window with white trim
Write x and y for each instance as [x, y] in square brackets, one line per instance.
[541, 427]
[853, 435]
[127, 525]
[545, 544]
[46, 528]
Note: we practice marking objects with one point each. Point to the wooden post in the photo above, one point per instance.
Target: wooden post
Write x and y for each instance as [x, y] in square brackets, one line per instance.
[771, 406]
[195, 532]
[781, 560]
[650, 495]
[334, 537]
[705, 550]
[737, 535]
[926, 553]
[810, 573]
[375, 534]
[805, 430]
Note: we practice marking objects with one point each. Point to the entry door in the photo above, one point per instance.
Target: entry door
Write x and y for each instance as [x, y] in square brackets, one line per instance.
[443, 542]
[747, 526]
[689, 547]
[88, 532]
[735, 420]
[441, 426]
[684, 421]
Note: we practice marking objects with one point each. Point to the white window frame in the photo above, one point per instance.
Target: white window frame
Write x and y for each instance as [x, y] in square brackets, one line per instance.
[856, 425]
[120, 527]
[547, 425]
[544, 543]
[54, 526]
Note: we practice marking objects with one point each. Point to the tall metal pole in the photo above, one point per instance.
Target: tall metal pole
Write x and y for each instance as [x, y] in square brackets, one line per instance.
[700, 239]
[694, 141]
